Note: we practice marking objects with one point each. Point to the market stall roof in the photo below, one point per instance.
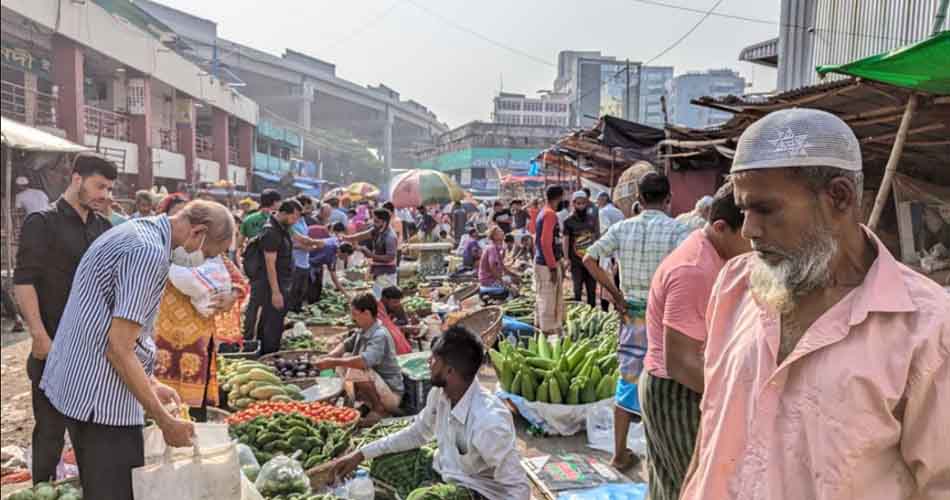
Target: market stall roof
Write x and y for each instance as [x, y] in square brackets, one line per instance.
[24, 137]
[873, 111]
[923, 66]
[602, 153]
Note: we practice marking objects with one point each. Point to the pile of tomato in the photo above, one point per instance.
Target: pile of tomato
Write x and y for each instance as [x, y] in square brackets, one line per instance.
[316, 411]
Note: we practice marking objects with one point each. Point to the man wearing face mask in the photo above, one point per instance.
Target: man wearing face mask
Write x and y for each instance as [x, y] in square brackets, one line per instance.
[99, 373]
[52, 242]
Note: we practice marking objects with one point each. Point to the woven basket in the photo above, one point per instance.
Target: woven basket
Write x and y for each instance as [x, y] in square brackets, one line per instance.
[327, 331]
[625, 193]
[486, 322]
[465, 292]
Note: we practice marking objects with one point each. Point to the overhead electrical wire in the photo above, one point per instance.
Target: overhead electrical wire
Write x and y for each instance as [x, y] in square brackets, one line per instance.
[362, 28]
[476, 34]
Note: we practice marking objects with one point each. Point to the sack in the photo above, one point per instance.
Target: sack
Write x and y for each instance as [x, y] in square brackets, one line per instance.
[201, 283]
[209, 474]
[600, 432]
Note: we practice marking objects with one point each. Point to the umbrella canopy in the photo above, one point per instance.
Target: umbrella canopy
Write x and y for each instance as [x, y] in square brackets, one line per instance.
[362, 190]
[338, 193]
[424, 187]
[923, 66]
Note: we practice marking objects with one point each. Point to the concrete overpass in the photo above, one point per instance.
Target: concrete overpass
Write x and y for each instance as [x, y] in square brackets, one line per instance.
[306, 90]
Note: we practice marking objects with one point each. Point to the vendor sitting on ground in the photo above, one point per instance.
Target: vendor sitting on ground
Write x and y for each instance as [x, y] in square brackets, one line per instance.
[477, 450]
[494, 278]
[473, 250]
[392, 302]
[367, 362]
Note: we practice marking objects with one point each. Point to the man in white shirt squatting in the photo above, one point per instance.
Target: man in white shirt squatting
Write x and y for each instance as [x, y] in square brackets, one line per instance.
[477, 455]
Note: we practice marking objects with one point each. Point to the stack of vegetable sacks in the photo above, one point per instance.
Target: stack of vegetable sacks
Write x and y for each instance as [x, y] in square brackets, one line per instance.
[559, 372]
[247, 381]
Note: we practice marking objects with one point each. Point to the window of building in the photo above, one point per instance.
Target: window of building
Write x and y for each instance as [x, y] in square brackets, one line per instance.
[533, 106]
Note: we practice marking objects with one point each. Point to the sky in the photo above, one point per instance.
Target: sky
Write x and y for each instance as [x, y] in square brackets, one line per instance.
[448, 54]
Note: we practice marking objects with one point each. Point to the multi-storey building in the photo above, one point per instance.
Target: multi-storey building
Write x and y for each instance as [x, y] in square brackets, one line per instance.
[517, 109]
[654, 86]
[693, 85]
[106, 73]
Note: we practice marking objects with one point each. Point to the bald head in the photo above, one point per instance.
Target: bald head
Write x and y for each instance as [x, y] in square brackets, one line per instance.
[214, 216]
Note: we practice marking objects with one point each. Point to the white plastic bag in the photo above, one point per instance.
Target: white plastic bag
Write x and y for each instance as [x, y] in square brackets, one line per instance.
[208, 474]
[207, 436]
[600, 432]
[561, 420]
[201, 283]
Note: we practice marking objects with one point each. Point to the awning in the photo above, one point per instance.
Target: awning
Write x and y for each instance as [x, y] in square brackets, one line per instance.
[924, 66]
[267, 177]
[19, 136]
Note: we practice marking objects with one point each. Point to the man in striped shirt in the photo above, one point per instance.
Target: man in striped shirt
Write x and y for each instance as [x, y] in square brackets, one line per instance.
[99, 371]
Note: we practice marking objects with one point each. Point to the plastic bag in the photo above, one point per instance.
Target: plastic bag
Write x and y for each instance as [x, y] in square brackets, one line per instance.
[282, 475]
[600, 432]
[561, 420]
[619, 491]
[249, 465]
[207, 436]
[201, 283]
[209, 474]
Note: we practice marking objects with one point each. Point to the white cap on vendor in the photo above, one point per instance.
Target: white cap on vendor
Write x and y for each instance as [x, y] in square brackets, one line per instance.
[798, 137]
[578, 195]
[22, 181]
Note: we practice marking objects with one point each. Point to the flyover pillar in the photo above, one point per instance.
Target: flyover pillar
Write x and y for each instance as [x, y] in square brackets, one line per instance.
[388, 144]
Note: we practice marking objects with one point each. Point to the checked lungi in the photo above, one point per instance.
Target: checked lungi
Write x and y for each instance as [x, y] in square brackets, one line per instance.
[670, 422]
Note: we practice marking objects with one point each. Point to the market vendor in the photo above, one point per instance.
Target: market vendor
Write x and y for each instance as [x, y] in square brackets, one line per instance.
[392, 303]
[477, 452]
[381, 250]
[494, 278]
[367, 361]
[325, 254]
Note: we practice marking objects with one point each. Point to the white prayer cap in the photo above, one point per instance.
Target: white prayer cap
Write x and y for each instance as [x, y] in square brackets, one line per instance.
[22, 181]
[798, 137]
[578, 195]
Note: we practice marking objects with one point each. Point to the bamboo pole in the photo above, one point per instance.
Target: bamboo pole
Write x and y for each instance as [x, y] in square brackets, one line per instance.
[8, 187]
[892, 161]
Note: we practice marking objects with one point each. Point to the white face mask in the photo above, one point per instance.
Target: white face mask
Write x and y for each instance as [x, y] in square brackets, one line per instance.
[184, 258]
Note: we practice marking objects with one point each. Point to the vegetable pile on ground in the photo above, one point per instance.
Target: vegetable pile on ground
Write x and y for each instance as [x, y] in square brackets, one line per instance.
[559, 372]
[333, 309]
[315, 411]
[247, 381]
[417, 306]
[379, 431]
[521, 309]
[285, 433]
[586, 322]
[47, 491]
[306, 496]
[300, 338]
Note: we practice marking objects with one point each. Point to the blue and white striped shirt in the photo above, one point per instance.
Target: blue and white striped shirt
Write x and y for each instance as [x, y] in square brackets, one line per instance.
[122, 275]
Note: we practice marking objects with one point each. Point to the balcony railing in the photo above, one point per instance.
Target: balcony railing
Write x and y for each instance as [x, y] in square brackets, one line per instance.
[233, 156]
[107, 123]
[168, 139]
[204, 148]
[28, 106]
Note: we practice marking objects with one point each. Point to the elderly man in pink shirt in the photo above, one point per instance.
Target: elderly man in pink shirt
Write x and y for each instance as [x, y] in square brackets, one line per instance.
[671, 383]
[826, 362]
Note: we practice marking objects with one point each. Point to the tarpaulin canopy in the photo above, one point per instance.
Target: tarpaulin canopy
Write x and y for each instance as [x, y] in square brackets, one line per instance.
[625, 134]
[923, 66]
[24, 137]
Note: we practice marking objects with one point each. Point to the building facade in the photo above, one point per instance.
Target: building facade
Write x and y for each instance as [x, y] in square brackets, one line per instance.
[819, 32]
[693, 85]
[105, 74]
[655, 83]
[597, 85]
[517, 109]
[478, 154]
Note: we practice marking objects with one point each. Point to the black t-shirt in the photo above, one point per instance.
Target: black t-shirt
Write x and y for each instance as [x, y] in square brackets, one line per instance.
[521, 219]
[581, 233]
[275, 237]
[52, 242]
[503, 219]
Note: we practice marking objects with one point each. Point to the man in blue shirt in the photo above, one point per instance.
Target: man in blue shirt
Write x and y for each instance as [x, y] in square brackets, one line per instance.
[303, 244]
[325, 256]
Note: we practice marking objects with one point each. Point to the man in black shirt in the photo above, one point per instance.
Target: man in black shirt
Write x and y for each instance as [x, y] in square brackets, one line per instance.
[52, 242]
[502, 217]
[580, 229]
[270, 290]
[519, 215]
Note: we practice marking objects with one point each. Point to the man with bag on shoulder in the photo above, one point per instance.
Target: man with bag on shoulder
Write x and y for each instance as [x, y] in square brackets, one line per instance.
[99, 373]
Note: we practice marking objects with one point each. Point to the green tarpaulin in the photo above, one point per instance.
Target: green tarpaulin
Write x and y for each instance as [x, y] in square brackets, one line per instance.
[924, 66]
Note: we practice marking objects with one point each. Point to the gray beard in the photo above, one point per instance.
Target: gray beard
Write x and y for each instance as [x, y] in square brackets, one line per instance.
[778, 286]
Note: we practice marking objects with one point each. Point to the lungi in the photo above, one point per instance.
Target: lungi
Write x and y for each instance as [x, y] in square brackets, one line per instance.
[670, 422]
[549, 306]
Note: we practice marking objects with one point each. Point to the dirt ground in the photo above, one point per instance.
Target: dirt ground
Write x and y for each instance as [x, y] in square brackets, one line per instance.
[16, 423]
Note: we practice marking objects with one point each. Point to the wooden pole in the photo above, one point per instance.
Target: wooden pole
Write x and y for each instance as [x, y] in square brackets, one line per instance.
[892, 161]
[8, 187]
